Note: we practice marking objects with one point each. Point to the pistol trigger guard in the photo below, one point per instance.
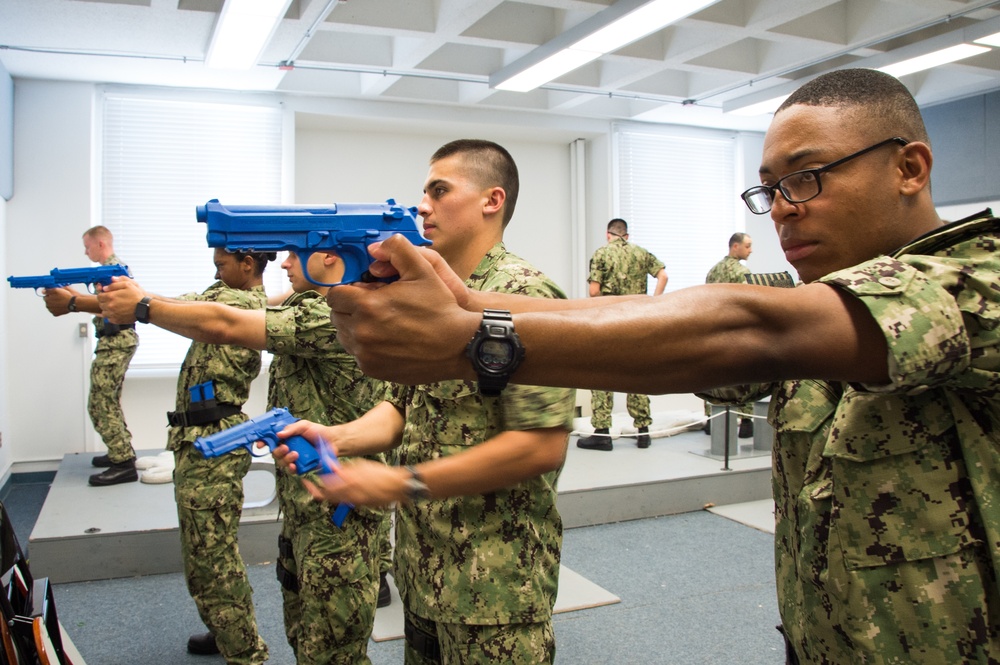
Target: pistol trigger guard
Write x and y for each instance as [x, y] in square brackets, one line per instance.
[263, 454]
[303, 263]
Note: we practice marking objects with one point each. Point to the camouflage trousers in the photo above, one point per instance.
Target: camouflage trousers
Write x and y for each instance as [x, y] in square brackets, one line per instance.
[329, 576]
[107, 374]
[209, 494]
[602, 401]
[462, 644]
[741, 409]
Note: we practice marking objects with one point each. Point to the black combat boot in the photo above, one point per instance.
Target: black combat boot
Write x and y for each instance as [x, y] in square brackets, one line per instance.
[384, 594]
[643, 441]
[746, 429]
[596, 441]
[203, 644]
[122, 472]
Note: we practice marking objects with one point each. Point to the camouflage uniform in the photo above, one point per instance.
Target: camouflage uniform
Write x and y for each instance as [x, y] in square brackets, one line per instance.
[621, 268]
[481, 565]
[209, 492]
[729, 271]
[112, 356]
[329, 575]
[887, 535]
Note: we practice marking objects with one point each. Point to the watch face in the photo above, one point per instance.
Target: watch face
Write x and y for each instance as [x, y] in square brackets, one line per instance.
[495, 354]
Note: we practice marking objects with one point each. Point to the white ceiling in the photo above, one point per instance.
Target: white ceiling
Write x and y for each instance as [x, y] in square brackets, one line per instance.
[442, 52]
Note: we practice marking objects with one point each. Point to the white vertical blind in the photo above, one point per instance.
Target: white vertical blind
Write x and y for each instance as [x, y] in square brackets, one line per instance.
[162, 158]
[676, 190]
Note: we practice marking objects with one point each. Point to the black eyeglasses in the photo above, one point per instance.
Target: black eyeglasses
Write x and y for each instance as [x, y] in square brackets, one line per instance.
[801, 186]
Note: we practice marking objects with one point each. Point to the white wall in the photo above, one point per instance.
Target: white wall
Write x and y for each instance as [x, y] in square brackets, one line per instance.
[350, 165]
[347, 151]
[5, 455]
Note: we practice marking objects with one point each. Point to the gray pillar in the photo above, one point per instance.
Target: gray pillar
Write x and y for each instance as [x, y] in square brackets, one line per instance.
[763, 433]
[719, 432]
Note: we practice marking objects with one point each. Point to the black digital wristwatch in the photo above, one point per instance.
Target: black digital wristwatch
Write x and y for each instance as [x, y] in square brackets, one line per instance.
[495, 351]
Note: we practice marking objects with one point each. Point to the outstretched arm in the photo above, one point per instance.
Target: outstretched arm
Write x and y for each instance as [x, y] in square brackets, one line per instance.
[209, 322]
[415, 331]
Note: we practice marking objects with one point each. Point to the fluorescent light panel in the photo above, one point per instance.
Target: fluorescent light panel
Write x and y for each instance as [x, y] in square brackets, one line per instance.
[243, 29]
[934, 59]
[902, 68]
[760, 108]
[990, 40]
[638, 23]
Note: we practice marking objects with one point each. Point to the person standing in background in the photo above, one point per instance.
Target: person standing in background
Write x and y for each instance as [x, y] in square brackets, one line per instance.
[730, 271]
[619, 268]
[116, 345]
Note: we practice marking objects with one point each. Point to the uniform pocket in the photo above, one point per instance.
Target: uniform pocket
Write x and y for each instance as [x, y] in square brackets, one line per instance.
[900, 490]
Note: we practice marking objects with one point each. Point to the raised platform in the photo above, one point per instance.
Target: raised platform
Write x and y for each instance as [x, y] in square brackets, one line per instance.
[86, 533]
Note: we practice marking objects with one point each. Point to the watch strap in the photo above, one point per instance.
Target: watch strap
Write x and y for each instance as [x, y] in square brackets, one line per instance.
[496, 324]
[71, 305]
[142, 310]
[416, 488]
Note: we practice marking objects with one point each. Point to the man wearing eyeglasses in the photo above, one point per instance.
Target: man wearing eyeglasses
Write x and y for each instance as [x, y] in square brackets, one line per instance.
[883, 369]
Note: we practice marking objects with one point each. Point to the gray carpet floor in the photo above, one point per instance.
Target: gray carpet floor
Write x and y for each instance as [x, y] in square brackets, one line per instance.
[695, 589]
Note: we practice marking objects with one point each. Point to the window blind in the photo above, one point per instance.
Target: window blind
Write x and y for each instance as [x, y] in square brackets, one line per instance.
[162, 158]
[677, 191]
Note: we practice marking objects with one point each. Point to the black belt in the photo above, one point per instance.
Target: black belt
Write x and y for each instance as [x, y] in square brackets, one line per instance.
[112, 329]
[202, 416]
[422, 642]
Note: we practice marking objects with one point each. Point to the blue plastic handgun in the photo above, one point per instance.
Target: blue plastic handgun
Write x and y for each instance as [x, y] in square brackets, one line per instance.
[265, 428]
[346, 229]
[58, 277]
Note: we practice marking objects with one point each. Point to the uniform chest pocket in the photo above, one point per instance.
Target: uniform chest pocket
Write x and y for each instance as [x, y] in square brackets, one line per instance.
[899, 484]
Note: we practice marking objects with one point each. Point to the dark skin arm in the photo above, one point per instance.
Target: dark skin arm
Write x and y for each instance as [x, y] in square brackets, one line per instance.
[415, 330]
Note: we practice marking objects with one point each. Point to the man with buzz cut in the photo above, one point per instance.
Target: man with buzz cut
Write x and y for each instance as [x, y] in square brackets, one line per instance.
[478, 533]
[116, 345]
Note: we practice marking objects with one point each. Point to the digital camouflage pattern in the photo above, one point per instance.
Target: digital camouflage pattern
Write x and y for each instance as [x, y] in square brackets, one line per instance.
[490, 559]
[887, 535]
[329, 618]
[620, 267]
[209, 496]
[729, 271]
[504, 643]
[602, 402]
[112, 356]
[209, 492]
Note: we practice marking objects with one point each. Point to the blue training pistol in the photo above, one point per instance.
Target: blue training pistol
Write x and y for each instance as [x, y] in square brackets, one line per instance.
[346, 229]
[265, 428]
[58, 277]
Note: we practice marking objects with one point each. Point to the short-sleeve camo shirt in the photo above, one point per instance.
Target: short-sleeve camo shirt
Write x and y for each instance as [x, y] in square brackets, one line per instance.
[620, 267]
[231, 368]
[727, 271]
[492, 558]
[126, 337]
[887, 541]
[315, 378]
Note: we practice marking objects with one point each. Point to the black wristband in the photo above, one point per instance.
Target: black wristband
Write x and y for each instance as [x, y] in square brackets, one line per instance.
[142, 310]
[71, 306]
